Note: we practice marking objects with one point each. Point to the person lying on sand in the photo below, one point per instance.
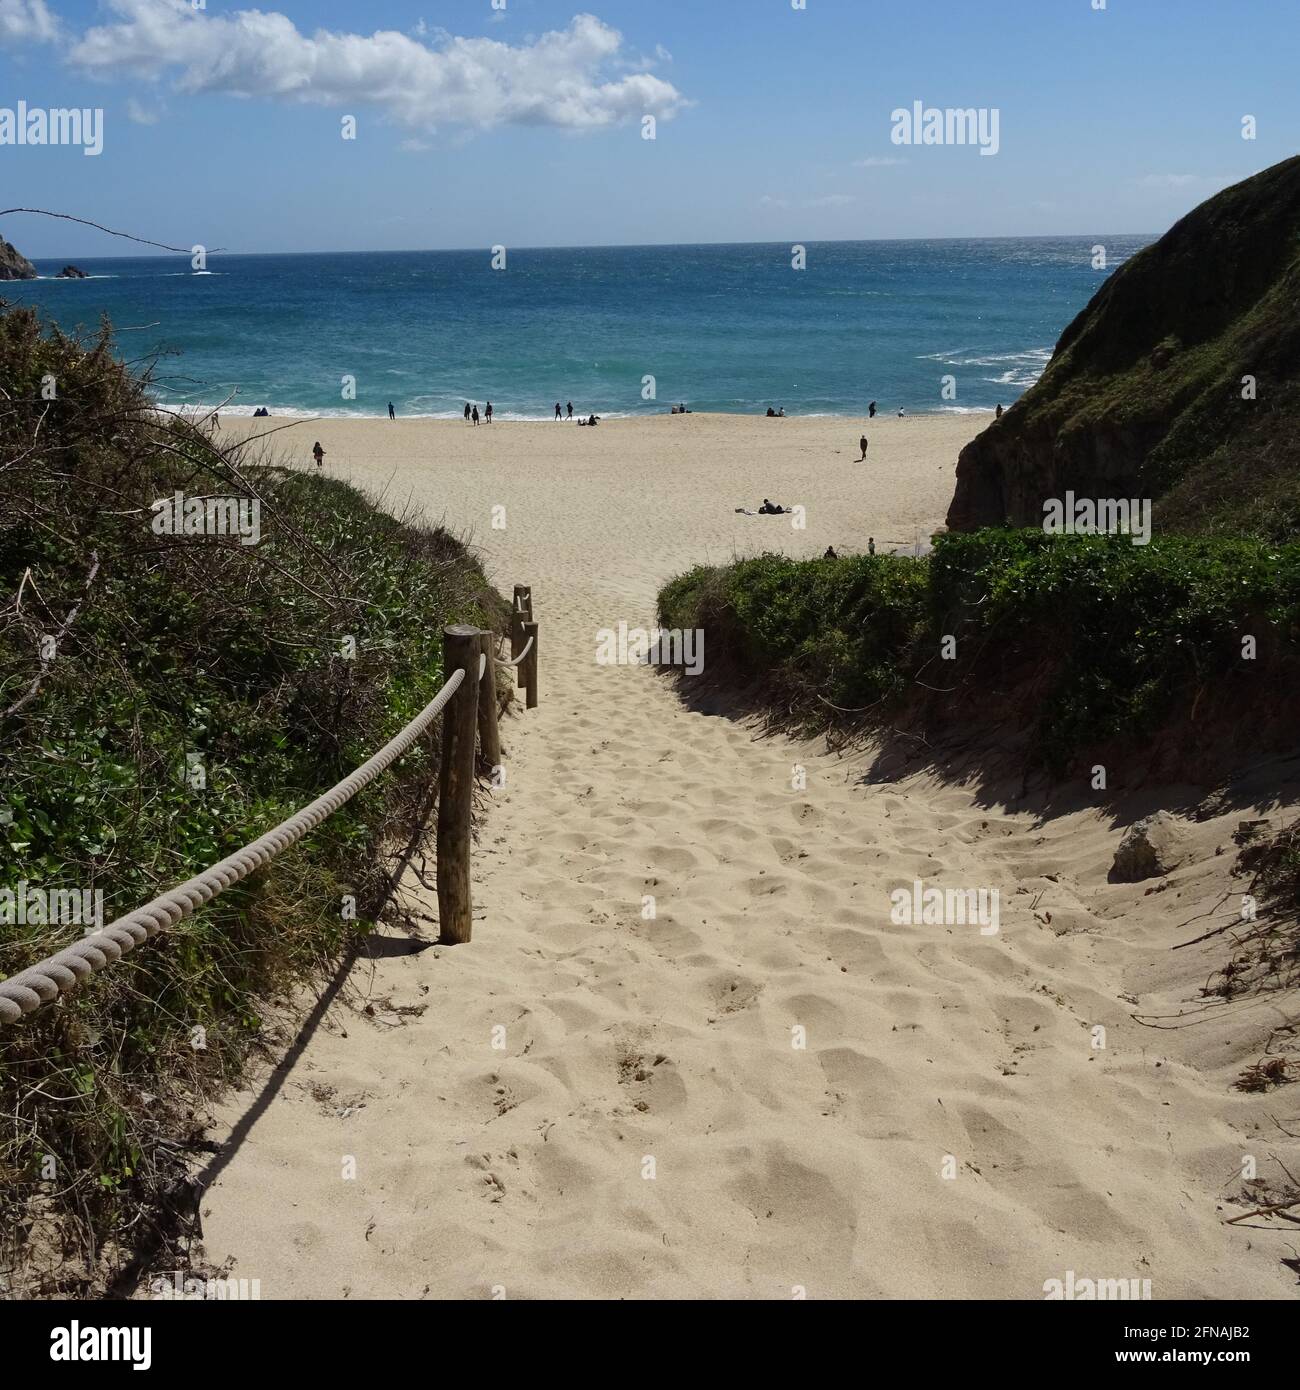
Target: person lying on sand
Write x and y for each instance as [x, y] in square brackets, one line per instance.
[771, 508]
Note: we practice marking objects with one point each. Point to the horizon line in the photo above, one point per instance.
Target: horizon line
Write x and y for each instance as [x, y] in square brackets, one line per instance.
[614, 246]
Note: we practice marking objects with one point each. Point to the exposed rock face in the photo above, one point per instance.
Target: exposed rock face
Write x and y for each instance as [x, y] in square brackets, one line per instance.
[71, 272]
[1145, 395]
[13, 264]
[1150, 847]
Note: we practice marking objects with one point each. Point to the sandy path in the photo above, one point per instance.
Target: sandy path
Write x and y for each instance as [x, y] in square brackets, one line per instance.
[588, 1103]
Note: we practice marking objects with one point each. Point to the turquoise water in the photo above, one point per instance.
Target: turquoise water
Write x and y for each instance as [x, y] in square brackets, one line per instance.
[727, 328]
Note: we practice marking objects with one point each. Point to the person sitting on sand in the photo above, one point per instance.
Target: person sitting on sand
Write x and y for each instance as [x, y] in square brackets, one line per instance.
[771, 414]
[591, 419]
[862, 444]
[318, 453]
[780, 414]
[830, 553]
[901, 412]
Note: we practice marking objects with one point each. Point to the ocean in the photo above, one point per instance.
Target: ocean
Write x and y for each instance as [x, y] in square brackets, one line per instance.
[722, 327]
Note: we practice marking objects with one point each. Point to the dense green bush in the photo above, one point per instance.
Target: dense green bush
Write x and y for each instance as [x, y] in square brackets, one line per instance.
[1111, 634]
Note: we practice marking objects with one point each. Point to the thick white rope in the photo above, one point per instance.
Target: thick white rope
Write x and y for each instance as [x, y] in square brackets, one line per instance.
[42, 983]
[503, 662]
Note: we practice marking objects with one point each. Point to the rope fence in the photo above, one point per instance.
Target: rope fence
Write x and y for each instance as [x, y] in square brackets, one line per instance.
[470, 706]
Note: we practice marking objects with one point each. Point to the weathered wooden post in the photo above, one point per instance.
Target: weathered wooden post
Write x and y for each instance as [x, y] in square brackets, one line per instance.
[460, 652]
[522, 613]
[489, 738]
[529, 664]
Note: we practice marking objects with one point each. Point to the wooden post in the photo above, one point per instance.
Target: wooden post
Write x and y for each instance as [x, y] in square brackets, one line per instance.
[489, 739]
[521, 613]
[529, 664]
[460, 652]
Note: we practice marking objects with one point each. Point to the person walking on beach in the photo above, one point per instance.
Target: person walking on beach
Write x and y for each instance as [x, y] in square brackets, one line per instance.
[559, 414]
[474, 415]
[488, 412]
[318, 453]
[467, 412]
[871, 411]
[862, 444]
[570, 410]
[392, 414]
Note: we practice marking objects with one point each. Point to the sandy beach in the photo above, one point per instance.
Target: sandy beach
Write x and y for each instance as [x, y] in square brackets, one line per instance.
[767, 1089]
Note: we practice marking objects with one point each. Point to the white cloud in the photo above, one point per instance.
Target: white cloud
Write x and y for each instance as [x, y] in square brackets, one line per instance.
[27, 21]
[769, 201]
[1170, 180]
[877, 161]
[831, 200]
[559, 79]
[141, 114]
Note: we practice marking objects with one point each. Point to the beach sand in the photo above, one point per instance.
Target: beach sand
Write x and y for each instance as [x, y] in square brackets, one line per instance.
[768, 1090]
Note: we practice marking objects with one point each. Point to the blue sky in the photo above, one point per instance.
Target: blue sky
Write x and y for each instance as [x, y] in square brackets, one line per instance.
[223, 128]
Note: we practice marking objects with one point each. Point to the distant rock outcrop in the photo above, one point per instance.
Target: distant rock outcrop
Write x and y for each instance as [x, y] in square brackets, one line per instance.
[13, 264]
[1179, 382]
[72, 272]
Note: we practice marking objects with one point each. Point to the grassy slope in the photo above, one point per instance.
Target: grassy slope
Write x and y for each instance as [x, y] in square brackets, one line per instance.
[1145, 388]
[183, 645]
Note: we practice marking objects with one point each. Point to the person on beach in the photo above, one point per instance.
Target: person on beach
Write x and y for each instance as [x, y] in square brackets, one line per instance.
[901, 412]
[392, 414]
[998, 413]
[474, 415]
[771, 414]
[830, 553]
[871, 545]
[488, 412]
[570, 410]
[467, 412]
[559, 414]
[862, 444]
[318, 453]
[780, 414]
[871, 411]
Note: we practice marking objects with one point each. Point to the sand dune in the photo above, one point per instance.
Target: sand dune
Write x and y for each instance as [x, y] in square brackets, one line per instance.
[758, 1090]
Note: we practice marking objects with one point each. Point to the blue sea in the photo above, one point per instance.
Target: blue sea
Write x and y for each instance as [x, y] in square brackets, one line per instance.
[721, 327]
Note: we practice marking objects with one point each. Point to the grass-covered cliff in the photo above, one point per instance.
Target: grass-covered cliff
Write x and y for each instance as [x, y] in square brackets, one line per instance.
[204, 690]
[1146, 394]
